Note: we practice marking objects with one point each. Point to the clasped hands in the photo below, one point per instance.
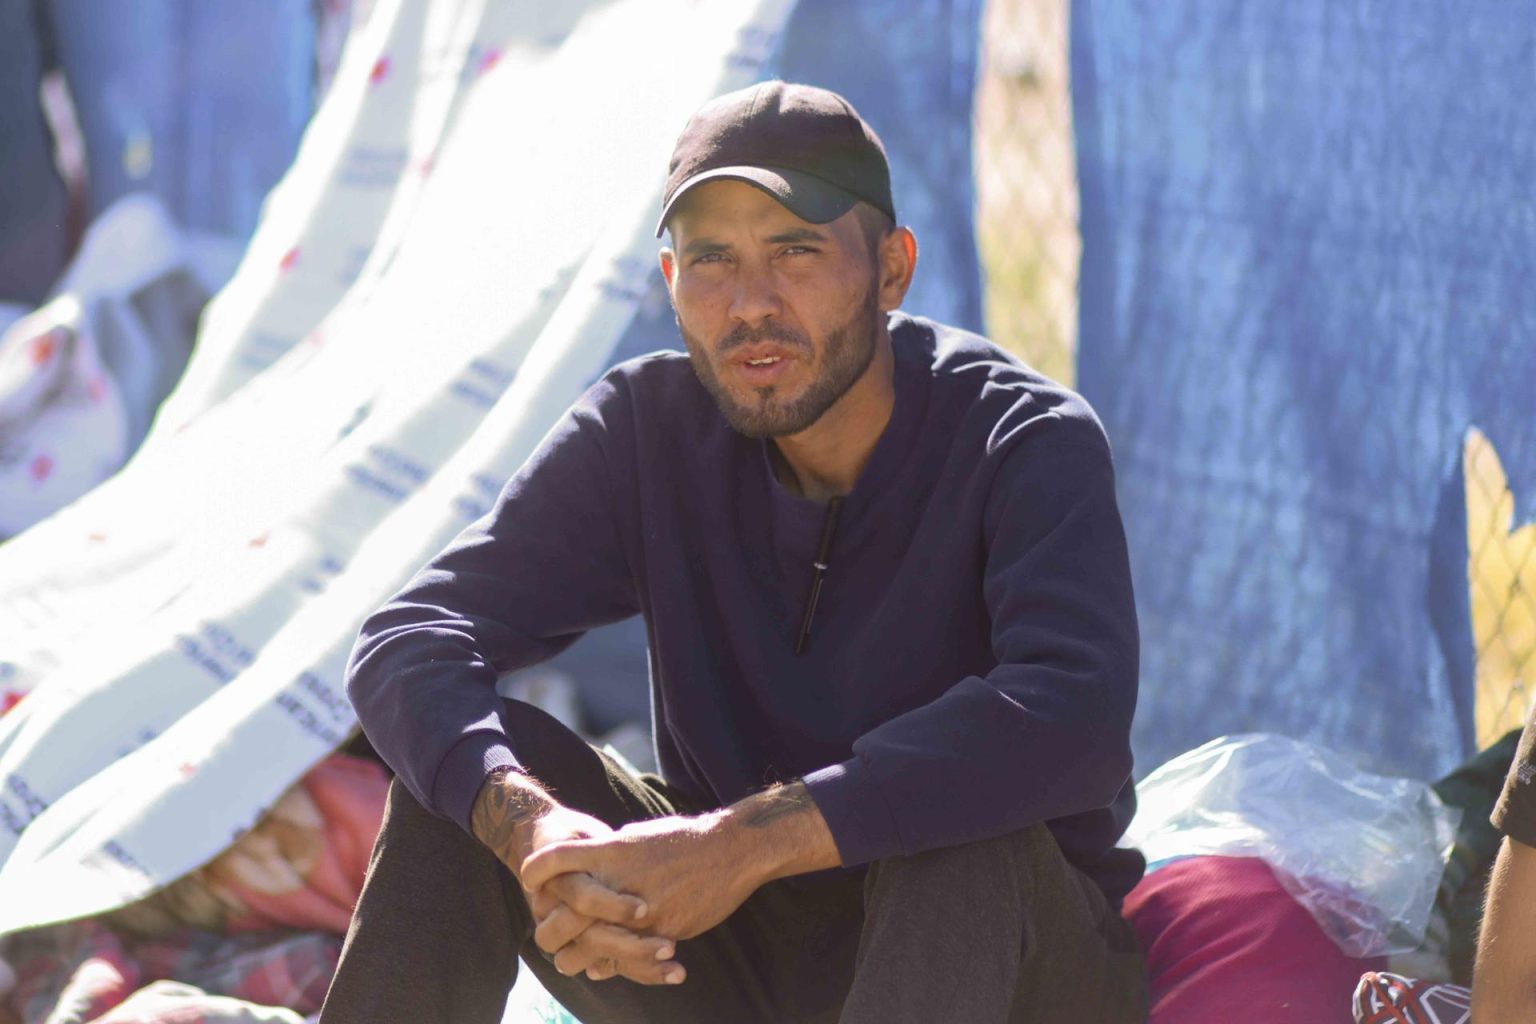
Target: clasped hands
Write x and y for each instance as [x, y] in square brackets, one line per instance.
[615, 902]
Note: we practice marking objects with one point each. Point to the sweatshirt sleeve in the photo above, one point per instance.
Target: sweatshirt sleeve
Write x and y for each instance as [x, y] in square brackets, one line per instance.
[514, 588]
[1046, 733]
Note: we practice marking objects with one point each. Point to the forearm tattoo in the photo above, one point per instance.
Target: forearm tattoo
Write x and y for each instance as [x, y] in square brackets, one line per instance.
[500, 809]
[778, 802]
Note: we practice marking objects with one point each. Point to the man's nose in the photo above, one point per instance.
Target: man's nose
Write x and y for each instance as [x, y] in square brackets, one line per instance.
[756, 296]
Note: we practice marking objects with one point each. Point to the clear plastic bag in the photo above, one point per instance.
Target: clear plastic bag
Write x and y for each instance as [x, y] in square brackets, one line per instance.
[1363, 853]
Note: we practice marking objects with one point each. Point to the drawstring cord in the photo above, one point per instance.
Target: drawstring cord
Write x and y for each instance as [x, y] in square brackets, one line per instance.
[823, 554]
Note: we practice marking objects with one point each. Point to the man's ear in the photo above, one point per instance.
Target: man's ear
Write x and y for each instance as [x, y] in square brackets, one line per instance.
[668, 260]
[898, 260]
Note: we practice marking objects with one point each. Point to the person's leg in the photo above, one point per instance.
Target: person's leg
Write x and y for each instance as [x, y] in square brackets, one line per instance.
[437, 928]
[998, 931]
[435, 933]
[784, 957]
[440, 922]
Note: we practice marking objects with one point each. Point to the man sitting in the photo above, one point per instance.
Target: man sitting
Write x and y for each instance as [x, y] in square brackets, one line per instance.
[893, 650]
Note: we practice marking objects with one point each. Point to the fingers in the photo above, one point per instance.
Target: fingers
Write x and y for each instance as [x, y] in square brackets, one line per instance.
[604, 950]
[603, 970]
[553, 860]
[586, 895]
[545, 864]
[559, 928]
[541, 903]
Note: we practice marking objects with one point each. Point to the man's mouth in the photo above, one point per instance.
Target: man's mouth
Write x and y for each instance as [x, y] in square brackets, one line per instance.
[764, 353]
[764, 366]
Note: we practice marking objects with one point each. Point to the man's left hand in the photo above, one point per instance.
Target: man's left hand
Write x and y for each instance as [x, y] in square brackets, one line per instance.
[693, 872]
[690, 872]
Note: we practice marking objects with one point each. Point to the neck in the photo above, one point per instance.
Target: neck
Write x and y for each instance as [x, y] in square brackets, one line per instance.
[826, 458]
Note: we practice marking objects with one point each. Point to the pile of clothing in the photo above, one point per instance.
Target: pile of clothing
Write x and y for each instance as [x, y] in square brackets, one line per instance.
[1244, 918]
[252, 936]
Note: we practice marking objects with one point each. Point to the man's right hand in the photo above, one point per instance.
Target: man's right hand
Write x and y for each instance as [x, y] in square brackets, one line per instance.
[583, 923]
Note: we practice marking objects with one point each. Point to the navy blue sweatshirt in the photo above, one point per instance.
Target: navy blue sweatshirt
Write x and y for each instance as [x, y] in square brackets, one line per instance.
[972, 665]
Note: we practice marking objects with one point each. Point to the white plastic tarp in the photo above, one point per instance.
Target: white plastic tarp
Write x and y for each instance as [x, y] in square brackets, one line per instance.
[458, 247]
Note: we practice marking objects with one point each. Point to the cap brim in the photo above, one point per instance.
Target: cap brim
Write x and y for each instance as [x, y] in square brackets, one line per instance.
[805, 195]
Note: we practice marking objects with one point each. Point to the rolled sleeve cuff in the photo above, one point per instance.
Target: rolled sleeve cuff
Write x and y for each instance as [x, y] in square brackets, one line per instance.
[464, 770]
[1515, 814]
[856, 812]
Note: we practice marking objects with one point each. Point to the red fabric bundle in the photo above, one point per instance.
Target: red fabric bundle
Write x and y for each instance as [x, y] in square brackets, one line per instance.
[1225, 942]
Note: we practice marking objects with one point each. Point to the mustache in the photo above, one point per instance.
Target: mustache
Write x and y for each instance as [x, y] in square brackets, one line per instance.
[743, 334]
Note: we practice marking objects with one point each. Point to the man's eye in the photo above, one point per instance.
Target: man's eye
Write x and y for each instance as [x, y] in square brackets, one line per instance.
[796, 250]
[710, 257]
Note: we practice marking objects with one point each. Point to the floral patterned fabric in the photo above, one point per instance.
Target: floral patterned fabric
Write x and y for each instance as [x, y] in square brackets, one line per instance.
[84, 972]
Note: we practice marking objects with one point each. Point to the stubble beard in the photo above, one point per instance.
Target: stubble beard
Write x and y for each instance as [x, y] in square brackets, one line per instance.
[849, 350]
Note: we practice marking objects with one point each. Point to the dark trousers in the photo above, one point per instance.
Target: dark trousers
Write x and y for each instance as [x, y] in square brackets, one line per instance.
[1003, 930]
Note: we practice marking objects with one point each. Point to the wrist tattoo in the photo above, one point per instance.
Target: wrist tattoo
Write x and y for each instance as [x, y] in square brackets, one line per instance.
[500, 809]
[778, 802]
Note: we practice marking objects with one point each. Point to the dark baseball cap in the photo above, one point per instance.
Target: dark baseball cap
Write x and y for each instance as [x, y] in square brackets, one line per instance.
[806, 147]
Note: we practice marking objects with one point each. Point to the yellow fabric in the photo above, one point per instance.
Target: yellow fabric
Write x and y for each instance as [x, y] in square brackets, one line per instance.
[1501, 575]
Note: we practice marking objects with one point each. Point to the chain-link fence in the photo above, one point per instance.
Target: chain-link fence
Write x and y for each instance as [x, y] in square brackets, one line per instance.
[1501, 570]
[1026, 185]
[1027, 234]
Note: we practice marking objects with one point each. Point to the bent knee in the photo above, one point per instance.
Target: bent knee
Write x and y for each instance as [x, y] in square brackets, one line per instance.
[1009, 852]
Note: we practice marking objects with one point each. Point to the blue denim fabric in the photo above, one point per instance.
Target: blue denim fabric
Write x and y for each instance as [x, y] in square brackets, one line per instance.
[201, 102]
[1308, 238]
[34, 208]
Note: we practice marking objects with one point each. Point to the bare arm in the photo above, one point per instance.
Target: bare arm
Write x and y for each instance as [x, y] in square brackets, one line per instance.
[1504, 981]
[505, 810]
[783, 830]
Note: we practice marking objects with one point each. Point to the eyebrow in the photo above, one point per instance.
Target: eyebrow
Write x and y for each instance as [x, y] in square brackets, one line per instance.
[798, 235]
[704, 245]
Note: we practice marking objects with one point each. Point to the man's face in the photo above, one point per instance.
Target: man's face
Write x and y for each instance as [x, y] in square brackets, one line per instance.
[780, 315]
